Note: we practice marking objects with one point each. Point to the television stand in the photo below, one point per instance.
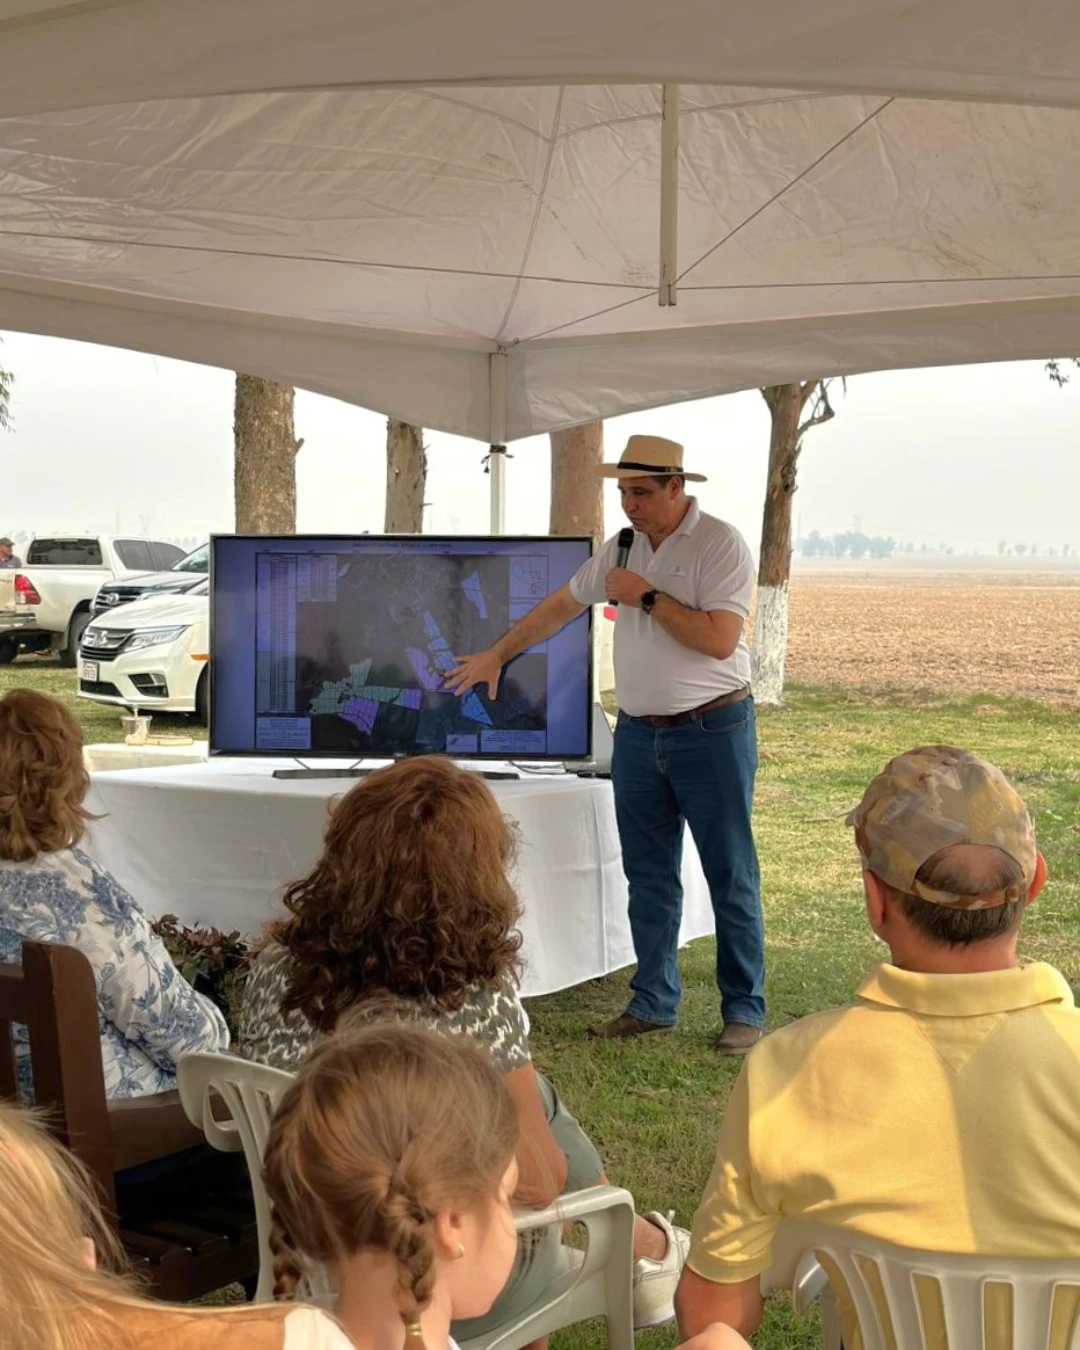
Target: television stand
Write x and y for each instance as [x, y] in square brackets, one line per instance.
[493, 775]
[321, 773]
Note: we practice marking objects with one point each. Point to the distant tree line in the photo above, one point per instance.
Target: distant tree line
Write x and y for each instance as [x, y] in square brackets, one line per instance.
[849, 544]
[1022, 550]
[855, 544]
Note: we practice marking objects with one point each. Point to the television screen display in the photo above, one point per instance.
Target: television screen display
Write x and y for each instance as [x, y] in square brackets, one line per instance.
[340, 647]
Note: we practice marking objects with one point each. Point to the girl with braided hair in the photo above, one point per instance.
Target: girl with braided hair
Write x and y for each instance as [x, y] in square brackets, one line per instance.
[410, 914]
[54, 1296]
[391, 1163]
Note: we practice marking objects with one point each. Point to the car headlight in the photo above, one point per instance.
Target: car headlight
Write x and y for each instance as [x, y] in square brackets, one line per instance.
[153, 637]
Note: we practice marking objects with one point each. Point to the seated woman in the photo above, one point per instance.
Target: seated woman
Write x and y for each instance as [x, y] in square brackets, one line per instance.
[410, 913]
[54, 1296]
[51, 891]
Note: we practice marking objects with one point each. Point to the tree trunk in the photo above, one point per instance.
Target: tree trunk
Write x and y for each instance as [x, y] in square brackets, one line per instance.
[406, 478]
[577, 495]
[769, 651]
[577, 507]
[6, 381]
[265, 448]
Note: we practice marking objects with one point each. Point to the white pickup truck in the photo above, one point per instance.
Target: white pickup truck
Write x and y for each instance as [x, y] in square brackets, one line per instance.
[45, 604]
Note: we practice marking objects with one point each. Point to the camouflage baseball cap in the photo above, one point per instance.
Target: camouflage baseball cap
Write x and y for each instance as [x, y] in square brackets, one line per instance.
[932, 797]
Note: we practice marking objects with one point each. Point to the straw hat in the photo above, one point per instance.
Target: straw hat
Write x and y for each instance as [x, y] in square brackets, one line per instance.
[645, 456]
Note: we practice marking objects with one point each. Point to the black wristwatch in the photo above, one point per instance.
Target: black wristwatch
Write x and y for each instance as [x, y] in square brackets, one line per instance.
[647, 602]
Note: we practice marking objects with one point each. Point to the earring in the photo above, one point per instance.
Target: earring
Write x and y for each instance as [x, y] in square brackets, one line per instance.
[460, 1250]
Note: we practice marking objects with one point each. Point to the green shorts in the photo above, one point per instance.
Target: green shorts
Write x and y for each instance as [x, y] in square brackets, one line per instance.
[538, 1248]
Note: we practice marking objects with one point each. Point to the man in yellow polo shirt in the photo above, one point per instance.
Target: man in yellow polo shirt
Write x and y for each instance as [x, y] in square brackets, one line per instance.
[941, 1109]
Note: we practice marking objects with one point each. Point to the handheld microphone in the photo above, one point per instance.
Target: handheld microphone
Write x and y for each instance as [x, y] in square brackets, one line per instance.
[626, 539]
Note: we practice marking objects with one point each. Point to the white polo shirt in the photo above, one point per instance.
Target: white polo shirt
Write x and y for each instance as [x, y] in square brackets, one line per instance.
[704, 564]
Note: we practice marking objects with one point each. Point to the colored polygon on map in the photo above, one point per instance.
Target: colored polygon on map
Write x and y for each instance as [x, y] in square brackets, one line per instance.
[475, 593]
[474, 710]
[429, 678]
[361, 712]
[358, 702]
[471, 707]
[334, 692]
[437, 644]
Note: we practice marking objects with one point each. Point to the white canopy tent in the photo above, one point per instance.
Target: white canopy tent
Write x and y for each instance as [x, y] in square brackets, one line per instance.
[501, 219]
[75, 53]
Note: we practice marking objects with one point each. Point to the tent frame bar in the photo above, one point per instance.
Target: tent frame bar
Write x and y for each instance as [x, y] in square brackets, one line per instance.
[496, 461]
[669, 194]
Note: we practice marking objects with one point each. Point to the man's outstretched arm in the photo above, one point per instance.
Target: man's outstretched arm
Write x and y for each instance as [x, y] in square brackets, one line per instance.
[485, 667]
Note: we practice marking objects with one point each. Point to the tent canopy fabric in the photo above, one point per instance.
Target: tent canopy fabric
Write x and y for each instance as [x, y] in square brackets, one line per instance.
[77, 53]
[485, 258]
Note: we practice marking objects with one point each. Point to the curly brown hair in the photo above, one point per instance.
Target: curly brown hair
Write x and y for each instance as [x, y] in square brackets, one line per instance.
[43, 780]
[411, 896]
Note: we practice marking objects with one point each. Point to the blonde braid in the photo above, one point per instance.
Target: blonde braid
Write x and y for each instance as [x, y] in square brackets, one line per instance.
[382, 1131]
[288, 1271]
[410, 1240]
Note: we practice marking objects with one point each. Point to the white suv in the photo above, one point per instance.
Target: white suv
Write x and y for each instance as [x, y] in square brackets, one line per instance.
[152, 654]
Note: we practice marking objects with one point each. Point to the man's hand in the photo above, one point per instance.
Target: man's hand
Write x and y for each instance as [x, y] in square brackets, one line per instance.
[625, 587]
[715, 1337]
[700, 1304]
[480, 668]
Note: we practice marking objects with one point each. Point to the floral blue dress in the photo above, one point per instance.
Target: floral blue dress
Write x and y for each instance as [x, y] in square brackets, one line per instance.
[148, 1013]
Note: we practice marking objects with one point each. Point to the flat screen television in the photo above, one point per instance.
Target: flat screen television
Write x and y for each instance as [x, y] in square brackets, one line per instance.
[339, 647]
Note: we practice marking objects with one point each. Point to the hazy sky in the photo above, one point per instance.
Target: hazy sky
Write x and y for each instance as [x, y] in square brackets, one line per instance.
[971, 455]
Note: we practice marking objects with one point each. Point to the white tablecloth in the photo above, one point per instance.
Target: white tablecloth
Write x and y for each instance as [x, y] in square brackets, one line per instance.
[119, 755]
[216, 843]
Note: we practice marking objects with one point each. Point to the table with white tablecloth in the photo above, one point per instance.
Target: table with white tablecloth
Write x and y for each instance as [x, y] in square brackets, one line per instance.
[216, 843]
[102, 756]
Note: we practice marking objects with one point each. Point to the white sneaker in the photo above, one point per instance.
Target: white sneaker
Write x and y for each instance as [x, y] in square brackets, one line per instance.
[655, 1281]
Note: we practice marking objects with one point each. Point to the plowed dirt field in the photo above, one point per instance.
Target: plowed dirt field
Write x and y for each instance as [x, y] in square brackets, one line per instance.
[971, 633]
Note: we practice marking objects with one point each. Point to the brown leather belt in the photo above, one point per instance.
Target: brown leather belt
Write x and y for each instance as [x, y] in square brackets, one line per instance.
[692, 714]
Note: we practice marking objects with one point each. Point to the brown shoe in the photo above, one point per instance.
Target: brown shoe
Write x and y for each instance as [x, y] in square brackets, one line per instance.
[736, 1038]
[624, 1026]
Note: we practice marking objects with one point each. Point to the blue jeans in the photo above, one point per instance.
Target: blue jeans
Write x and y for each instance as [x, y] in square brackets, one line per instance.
[700, 773]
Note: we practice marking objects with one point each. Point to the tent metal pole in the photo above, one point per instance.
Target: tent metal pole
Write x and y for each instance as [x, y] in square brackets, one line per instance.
[669, 195]
[497, 451]
[497, 472]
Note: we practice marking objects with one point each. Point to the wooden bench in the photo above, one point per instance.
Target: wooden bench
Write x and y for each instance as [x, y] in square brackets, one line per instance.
[189, 1228]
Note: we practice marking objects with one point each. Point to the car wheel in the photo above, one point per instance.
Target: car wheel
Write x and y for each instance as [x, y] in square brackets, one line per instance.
[9, 649]
[70, 655]
[202, 698]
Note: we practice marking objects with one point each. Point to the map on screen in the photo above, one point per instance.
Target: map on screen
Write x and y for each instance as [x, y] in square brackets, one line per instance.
[353, 646]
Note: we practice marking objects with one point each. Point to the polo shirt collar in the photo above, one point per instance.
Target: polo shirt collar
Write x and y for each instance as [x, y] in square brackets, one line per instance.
[995, 991]
[693, 515]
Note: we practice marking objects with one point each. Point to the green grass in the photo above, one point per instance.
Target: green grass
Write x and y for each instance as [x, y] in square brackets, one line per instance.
[100, 721]
[653, 1107]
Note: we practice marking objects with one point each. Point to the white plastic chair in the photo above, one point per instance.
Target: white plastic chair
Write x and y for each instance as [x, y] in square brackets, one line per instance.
[249, 1094]
[883, 1284]
[596, 1282]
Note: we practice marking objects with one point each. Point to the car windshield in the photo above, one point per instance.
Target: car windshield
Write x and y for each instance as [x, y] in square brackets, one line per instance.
[199, 561]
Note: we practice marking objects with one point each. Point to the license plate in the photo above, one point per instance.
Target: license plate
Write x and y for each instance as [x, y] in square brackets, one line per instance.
[89, 671]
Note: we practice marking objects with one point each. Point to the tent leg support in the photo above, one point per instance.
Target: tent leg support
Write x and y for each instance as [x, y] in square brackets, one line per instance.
[497, 472]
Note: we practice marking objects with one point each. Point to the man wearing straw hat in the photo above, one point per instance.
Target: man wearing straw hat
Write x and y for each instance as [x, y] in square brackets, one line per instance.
[685, 743]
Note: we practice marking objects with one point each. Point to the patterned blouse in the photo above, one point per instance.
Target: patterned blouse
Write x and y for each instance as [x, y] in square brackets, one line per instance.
[148, 1013]
[492, 1017]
